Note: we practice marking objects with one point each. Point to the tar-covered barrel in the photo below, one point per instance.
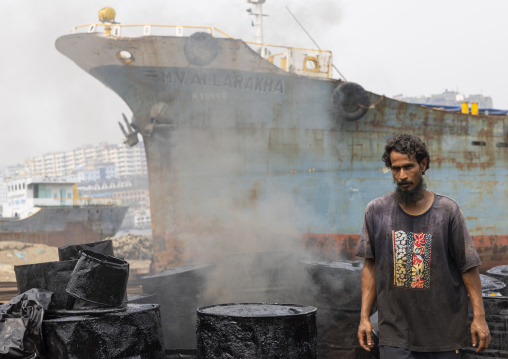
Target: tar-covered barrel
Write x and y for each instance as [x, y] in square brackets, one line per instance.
[257, 331]
[72, 251]
[134, 332]
[99, 279]
[52, 276]
[495, 302]
[337, 294]
[470, 353]
[500, 273]
[181, 354]
[179, 292]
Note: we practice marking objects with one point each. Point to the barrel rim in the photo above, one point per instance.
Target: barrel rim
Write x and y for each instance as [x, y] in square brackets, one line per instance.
[169, 271]
[310, 310]
[356, 265]
[43, 264]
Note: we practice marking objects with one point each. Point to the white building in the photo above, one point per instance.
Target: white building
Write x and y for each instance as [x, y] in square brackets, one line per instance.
[128, 161]
[95, 173]
[25, 194]
[3, 193]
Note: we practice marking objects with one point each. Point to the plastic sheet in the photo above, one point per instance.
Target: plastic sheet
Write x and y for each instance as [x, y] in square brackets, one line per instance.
[257, 330]
[99, 279]
[133, 333]
[51, 276]
[73, 251]
[21, 323]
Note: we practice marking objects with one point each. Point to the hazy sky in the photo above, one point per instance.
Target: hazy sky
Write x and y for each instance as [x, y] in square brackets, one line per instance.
[390, 47]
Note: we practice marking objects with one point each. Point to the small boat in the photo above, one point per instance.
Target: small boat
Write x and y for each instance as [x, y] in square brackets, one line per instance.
[49, 212]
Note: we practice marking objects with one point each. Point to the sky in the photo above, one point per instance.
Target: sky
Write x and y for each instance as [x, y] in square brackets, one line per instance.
[390, 47]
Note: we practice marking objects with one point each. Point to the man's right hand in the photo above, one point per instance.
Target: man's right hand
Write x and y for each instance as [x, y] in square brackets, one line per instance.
[365, 335]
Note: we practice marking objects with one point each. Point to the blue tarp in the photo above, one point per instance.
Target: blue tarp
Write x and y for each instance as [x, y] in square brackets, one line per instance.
[482, 111]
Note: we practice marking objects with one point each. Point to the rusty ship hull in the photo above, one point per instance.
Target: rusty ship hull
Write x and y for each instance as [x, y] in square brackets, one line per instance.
[225, 130]
[64, 225]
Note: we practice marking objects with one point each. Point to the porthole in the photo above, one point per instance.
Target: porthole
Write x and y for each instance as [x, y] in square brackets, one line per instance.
[310, 64]
[125, 57]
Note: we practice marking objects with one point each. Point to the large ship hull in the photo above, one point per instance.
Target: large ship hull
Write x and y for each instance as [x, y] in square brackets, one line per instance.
[64, 225]
[242, 154]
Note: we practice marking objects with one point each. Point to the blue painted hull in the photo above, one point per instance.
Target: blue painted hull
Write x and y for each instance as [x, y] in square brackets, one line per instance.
[238, 138]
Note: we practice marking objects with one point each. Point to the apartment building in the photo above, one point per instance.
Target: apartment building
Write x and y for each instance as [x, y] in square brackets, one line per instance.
[127, 161]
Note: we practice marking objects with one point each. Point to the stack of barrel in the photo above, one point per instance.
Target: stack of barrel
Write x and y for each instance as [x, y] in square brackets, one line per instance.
[88, 316]
[338, 300]
[241, 279]
[495, 301]
[179, 292]
[256, 295]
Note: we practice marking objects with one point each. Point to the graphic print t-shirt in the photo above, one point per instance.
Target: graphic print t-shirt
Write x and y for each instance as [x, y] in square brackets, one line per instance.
[421, 298]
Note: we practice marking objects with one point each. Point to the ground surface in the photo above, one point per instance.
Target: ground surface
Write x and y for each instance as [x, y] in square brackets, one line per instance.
[135, 249]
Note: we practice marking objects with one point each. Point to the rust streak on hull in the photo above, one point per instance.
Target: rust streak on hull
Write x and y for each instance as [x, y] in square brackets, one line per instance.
[492, 250]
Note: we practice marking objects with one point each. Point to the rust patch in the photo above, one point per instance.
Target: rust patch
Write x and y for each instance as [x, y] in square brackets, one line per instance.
[330, 246]
[493, 250]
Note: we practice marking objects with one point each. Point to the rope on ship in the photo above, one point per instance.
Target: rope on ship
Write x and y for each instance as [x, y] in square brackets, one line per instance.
[381, 98]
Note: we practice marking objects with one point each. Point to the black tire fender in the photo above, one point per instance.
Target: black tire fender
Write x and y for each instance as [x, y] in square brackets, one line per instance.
[350, 101]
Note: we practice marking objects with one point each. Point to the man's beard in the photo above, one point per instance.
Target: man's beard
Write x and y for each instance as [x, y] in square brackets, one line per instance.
[410, 197]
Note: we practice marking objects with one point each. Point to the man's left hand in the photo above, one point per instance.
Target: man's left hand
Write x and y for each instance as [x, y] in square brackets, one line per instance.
[480, 334]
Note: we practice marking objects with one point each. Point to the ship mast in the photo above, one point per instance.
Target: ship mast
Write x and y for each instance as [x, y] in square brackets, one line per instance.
[258, 13]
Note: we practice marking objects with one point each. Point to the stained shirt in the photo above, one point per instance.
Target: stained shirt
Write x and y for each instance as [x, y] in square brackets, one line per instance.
[421, 298]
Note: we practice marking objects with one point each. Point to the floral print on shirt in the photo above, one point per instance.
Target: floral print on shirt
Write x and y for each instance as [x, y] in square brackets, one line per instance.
[411, 255]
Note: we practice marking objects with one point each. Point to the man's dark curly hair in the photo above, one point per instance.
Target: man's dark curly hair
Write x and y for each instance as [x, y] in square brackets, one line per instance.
[409, 145]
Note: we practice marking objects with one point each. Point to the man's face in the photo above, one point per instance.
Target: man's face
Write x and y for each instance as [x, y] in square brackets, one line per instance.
[407, 173]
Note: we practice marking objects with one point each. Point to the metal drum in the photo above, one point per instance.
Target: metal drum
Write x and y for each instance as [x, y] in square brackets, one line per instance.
[496, 315]
[52, 276]
[500, 273]
[337, 293]
[99, 279]
[257, 330]
[72, 251]
[181, 354]
[142, 299]
[179, 291]
[491, 284]
[469, 353]
[134, 332]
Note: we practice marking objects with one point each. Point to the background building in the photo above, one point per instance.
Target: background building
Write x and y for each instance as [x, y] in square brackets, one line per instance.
[127, 161]
[449, 98]
[107, 171]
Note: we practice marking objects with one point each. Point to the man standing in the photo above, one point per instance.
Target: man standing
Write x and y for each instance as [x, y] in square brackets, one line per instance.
[420, 264]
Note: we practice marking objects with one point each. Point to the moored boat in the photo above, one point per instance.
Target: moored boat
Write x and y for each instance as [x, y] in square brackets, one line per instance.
[257, 145]
[50, 213]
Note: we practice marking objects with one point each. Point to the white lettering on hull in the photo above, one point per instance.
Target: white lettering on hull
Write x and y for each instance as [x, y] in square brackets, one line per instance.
[239, 82]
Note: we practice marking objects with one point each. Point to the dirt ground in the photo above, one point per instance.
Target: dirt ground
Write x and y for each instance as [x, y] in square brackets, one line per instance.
[135, 249]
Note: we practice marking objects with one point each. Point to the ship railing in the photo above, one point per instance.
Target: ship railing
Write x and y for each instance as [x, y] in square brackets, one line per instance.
[88, 201]
[119, 30]
[300, 61]
[74, 201]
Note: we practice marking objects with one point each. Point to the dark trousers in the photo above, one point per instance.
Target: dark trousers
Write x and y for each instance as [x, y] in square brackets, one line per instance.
[387, 352]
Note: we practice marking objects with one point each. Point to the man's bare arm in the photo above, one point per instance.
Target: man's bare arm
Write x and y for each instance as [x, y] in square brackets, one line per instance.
[479, 328]
[368, 299]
